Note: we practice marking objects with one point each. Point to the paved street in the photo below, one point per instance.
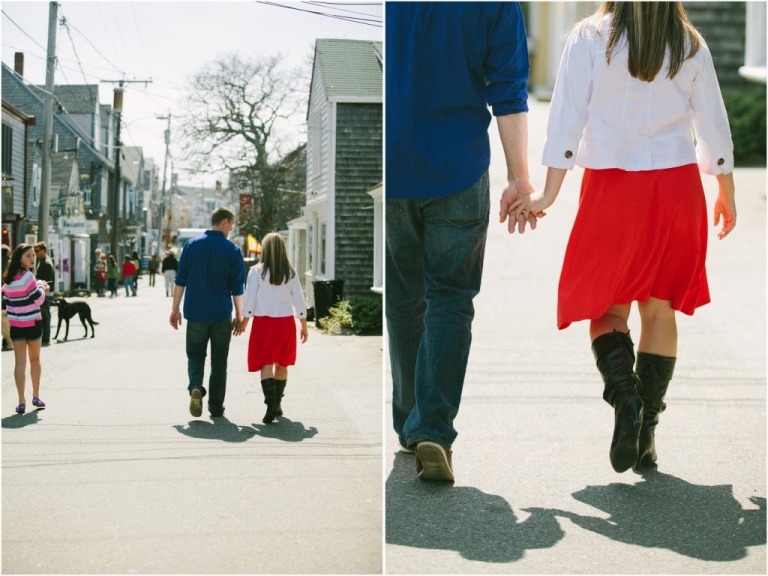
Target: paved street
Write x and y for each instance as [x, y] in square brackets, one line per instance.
[535, 492]
[115, 476]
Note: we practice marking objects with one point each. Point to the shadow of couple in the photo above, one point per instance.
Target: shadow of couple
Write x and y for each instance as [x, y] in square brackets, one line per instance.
[221, 428]
[661, 511]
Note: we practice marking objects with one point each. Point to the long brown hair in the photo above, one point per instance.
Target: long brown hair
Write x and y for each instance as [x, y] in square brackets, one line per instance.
[274, 256]
[14, 264]
[650, 28]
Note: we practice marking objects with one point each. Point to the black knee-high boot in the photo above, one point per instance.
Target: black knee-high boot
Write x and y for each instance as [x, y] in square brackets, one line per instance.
[654, 372]
[615, 357]
[268, 387]
[279, 393]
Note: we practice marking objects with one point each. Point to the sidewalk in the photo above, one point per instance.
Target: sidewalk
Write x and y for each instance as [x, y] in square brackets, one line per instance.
[115, 476]
[535, 492]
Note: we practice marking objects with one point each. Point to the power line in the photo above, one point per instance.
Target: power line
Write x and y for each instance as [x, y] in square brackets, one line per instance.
[69, 34]
[97, 50]
[355, 20]
[326, 5]
[23, 31]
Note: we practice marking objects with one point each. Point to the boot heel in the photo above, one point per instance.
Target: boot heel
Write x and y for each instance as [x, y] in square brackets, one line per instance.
[624, 448]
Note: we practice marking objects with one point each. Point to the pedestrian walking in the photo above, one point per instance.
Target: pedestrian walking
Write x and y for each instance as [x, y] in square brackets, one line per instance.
[452, 61]
[170, 267]
[136, 259]
[45, 272]
[635, 78]
[152, 266]
[112, 275]
[211, 274]
[23, 297]
[129, 269]
[273, 298]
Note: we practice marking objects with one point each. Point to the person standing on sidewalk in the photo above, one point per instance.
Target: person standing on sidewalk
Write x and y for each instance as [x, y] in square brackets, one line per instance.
[635, 78]
[112, 275]
[452, 61]
[129, 269]
[136, 259]
[45, 272]
[23, 297]
[273, 298]
[212, 272]
[169, 268]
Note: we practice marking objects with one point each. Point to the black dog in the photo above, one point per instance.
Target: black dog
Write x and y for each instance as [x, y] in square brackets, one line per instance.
[68, 310]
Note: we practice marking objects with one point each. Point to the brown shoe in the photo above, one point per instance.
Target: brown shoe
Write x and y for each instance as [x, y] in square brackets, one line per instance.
[196, 402]
[433, 462]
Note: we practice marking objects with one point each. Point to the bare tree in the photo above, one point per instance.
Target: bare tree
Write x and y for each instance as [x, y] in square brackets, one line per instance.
[241, 117]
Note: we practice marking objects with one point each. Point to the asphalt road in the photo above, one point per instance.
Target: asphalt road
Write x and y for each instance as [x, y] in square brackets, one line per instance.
[534, 490]
[115, 476]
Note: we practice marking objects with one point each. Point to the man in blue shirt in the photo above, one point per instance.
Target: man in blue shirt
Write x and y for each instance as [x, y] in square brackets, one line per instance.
[212, 272]
[447, 62]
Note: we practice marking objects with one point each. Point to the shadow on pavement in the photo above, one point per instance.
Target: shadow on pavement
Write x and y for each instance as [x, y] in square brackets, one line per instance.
[218, 429]
[439, 515]
[704, 522]
[285, 429]
[21, 420]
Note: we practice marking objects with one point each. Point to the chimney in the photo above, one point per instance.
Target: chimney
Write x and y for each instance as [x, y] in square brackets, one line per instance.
[18, 63]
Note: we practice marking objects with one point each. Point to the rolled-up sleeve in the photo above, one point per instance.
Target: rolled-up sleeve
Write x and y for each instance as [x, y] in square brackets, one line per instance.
[569, 110]
[182, 273]
[714, 147]
[506, 67]
[299, 304]
[251, 289]
[238, 278]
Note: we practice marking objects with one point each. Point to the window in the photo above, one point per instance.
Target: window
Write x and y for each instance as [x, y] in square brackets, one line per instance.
[87, 196]
[7, 199]
[7, 150]
[35, 184]
[322, 249]
[310, 245]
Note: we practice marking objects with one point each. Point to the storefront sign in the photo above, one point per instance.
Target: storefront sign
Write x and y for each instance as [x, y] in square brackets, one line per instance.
[78, 225]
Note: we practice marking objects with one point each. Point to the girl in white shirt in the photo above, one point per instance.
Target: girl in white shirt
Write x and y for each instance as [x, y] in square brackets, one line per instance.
[634, 80]
[273, 297]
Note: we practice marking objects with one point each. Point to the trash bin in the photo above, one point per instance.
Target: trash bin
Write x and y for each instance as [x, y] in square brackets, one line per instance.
[327, 293]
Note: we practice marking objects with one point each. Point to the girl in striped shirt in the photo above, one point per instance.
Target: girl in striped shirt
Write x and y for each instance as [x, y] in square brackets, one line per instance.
[23, 296]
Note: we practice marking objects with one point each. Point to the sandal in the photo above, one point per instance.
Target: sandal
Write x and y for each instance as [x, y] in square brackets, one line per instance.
[37, 402]
[20, 409]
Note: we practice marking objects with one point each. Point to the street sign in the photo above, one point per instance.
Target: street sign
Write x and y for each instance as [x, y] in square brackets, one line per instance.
[78, 225]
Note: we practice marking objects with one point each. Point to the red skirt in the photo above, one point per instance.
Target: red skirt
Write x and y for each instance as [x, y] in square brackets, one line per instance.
[636, 235]
[272, 341]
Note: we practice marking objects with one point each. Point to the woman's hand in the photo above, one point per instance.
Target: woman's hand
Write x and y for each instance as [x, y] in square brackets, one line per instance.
[725, 206]
[239, 327]
[531, 206]
[303, 334]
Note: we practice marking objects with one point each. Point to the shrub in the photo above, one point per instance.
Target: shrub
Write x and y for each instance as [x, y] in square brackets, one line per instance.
[746, 115]
[367, 314]
[339, 317]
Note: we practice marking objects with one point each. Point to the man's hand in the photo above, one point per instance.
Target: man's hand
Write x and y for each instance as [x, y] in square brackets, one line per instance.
[514, 190]
[239, 326]
[175, 319]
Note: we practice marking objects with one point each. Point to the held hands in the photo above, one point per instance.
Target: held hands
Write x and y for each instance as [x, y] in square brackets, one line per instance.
[531, 206]
[514, 191]
[239, 326]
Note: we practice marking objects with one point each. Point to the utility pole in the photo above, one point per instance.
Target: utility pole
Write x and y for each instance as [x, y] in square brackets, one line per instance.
[114, 211]
[45, 189]
[165, 173]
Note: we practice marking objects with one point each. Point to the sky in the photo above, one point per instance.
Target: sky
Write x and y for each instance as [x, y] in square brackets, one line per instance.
[167, 42]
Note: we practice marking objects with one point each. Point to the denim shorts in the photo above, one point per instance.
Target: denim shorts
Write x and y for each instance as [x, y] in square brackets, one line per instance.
[30, 333]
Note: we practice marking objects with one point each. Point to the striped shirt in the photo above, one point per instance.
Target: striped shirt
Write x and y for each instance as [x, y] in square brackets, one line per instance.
[23, 299]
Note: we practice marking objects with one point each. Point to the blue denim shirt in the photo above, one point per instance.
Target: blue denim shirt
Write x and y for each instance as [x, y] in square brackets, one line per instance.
[447, 62]
[211, 268]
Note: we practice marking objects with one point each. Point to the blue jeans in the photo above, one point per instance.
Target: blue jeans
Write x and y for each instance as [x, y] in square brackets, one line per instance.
[434, 250]
[198, 335]
[128, 282]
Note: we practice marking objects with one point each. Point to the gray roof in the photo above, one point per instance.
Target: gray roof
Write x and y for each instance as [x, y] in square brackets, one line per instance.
[75, 98]
[351, 68]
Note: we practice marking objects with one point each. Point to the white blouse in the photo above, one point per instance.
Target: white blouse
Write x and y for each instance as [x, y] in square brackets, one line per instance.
[265, 299]
[601, 117]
